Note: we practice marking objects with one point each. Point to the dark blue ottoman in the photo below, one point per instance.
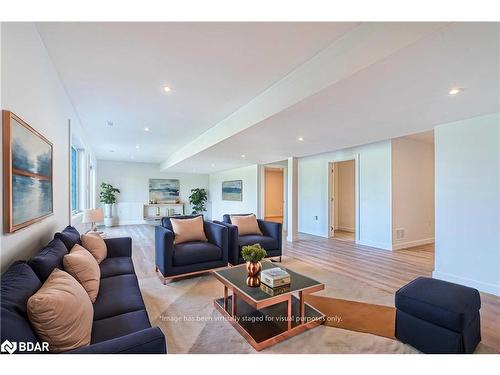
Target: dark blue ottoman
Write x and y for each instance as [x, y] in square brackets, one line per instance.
[439, 317]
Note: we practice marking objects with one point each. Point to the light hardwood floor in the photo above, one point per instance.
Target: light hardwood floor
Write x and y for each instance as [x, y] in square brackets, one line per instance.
[386, 270]
[343, 235]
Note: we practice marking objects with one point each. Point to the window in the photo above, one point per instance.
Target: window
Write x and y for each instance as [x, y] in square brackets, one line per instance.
[74, 179]
[91, 184]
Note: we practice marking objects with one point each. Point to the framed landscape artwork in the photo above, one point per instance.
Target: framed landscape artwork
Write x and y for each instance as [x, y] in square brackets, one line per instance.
[232, 190]
[27, 160]
[163, 190]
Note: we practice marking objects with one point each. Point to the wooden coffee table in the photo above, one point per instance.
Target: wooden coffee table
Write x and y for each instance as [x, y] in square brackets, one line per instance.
[264, 319]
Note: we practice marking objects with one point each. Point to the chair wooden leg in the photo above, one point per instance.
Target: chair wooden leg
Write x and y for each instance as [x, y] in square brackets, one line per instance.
[156, 269]
[280, 258]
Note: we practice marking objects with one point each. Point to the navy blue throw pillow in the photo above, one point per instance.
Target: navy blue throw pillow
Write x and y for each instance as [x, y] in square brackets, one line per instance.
[69, 236]
[50, 257]
[19, 283]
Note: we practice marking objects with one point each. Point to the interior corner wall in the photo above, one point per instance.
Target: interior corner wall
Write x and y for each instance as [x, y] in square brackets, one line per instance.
[412, 192]
[273, 190]
[132, 178]
[31, 89]
[467, 157]
[250, 193]
[375, 212]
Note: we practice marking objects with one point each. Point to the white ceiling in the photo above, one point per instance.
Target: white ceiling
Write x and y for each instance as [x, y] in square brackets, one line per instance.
[404, 94]
[116, 71]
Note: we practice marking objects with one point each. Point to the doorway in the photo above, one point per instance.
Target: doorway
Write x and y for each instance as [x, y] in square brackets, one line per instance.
[342, 201]
[273, 194]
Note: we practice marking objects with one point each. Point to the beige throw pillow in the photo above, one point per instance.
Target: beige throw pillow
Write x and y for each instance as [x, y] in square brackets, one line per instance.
[247, 224]
[187, 230]
[96, 245]
[61, 312]
[80, 264]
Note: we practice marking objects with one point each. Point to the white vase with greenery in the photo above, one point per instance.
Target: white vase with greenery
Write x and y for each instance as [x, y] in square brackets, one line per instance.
[108, 198]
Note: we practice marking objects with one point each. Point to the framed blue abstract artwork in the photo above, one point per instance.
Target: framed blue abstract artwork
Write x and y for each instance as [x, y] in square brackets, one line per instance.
[163, 190]
[28, 185]
[232, 190]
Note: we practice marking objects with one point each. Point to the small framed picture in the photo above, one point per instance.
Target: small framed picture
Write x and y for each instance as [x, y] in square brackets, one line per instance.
[232, 190]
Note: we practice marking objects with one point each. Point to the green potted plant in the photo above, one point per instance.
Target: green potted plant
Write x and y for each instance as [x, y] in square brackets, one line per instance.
[108, 197]
[253, 254]
[197, 200]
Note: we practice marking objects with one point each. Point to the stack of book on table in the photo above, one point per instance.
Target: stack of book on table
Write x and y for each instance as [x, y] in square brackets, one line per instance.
[275, 281]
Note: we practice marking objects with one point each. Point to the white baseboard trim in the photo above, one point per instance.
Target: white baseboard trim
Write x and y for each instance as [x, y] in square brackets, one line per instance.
[378, 245]
[131, 222]
[407, 244]
[479, 285]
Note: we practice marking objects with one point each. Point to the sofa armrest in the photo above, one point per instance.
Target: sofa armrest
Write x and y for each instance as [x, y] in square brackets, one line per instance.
[217, 235]
[271, 229]
[119, 247]
[146, 341]
[164, 249]
[233, 242]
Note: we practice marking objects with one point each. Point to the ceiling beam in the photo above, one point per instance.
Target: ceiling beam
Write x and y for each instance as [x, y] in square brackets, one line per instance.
[361, 47]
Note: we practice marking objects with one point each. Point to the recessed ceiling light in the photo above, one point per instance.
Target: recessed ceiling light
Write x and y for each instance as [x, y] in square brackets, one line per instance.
[110, 123]
[146, 129]
[243, 155]
[167, 89]
[300, 139]
[455, 91]
[132, 157]
[137, 146]
[213, 165]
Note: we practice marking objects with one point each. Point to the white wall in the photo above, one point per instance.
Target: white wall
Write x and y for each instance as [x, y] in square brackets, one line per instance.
[31, 88]
[412, 192]
[467, 157]
[249, 204]
[344, 195]
[374, 192]
[133, 181]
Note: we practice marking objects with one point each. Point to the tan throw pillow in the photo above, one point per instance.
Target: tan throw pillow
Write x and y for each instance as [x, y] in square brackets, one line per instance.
[96, 245]
[80, 264]
[61, 312]
[247, 224]
[187, 230]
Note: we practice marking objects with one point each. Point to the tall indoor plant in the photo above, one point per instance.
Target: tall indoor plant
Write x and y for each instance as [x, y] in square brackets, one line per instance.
[197, 200]
[108, 197]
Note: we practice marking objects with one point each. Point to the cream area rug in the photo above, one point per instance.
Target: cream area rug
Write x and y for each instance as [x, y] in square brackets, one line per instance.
[184, 311]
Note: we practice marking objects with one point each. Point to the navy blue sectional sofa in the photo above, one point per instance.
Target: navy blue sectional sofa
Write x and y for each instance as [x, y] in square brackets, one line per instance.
[271, 239]
[121, 323]
[176, 260]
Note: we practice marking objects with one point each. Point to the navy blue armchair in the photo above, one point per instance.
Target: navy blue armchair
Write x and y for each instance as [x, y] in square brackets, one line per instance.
[271, 239]
[176, 260]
